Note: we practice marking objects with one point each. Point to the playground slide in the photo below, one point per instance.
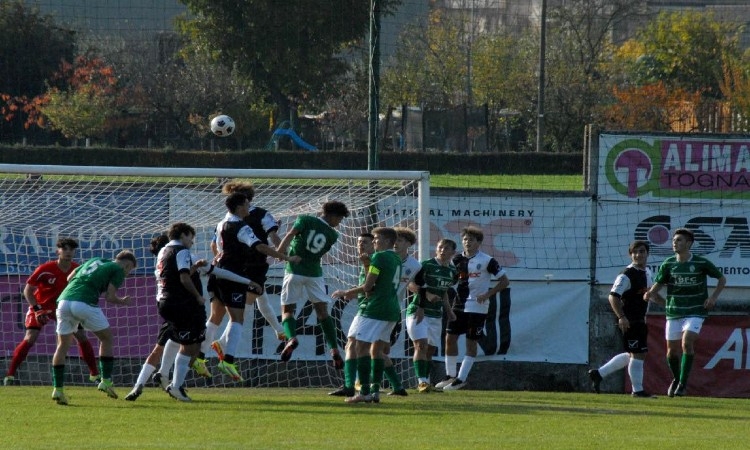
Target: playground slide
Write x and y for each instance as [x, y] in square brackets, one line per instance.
[295, 137]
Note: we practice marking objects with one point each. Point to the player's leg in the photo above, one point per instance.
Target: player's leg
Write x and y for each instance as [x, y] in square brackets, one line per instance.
[326, 323]
[67, 323]
[233, 296]
[690, 334]
[264, 306]
[418, 334]
[87, 353]
[190, 328]
[673, 336]
[291, 291]
[350, 362]
[22, 349]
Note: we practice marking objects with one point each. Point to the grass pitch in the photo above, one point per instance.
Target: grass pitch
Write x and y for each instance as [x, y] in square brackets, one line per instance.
[310, 419]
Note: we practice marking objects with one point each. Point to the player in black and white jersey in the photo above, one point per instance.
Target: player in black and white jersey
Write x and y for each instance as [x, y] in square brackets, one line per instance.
[476, 272]
[628, 304]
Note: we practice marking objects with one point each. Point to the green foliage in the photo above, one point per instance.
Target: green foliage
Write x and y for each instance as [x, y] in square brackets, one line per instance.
[31, 48]
[686, 50]
[77, 113]
[287, 50]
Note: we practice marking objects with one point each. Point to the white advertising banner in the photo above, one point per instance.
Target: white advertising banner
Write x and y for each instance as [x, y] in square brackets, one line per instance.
[721, 233]
[534, 238]
[537, 322]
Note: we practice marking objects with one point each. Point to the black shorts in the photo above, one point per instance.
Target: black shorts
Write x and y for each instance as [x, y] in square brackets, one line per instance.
[186, 320]
[165, 334]
[470, 324]
[258, 274]
[634, 340]
[231, 294]
[211, 287]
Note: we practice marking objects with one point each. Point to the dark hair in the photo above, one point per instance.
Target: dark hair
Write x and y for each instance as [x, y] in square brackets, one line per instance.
[407, 234]
[67, 242]
[178, 229]
[234, 200]
[243, 187]
[386, 232]
[635, 244]
[335, 208]
[367, 235]
[158, 243]
[685, 232]
[127, 255]
[449, 242]
[476, 232]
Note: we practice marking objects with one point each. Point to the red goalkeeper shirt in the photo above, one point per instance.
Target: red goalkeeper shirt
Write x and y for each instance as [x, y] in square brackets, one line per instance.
[49, 281]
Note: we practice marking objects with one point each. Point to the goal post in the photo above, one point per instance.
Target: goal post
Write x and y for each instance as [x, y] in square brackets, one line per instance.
[108, 209]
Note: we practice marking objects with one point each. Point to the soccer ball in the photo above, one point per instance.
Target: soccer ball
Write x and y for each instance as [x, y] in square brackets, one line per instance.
[222, 125]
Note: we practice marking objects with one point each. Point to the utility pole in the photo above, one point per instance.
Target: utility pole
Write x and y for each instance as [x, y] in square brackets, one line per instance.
[374, 86]
[540, 100]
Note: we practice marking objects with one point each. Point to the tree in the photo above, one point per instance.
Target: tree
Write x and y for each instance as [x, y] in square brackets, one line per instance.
[687, 50]
[287, 50]
[32, 46]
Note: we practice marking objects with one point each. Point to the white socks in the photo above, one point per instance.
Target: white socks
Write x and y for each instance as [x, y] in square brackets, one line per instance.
[635, 370]
[618, 362]
[463, 373]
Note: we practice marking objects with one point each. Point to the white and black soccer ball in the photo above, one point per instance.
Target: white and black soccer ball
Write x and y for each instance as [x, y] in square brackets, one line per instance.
[222, 125]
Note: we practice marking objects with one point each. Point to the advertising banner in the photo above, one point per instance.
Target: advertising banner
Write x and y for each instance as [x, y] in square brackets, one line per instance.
[721, 364]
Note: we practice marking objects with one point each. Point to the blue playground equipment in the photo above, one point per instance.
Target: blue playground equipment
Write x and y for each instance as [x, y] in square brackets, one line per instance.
[284, 129]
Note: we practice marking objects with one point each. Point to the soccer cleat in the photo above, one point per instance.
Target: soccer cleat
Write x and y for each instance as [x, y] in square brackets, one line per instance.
[375, 397]
[291, 344]
[446, 381]
[161, 381]
[456, 385]
[681, 390]
[343, 391]
[424, 388]
[596, 380]
[199, 366]
[135, 393]
[230, 370]
[107, 387]
[338, 362]
[178, 394]
[216, 345]
[8, 381]
[399, 392]
[359, 398]
[643, 394]
[59, 396]
[672, 388]
[95, 379]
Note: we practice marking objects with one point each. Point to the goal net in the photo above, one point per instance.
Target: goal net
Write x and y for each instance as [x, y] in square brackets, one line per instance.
[108, 209]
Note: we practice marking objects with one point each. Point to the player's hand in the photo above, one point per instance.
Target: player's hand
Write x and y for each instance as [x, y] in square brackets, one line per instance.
[294, 259]
[709, 303]
[419, 314]
[451, 315]
[42, 316]
[127, 300]
[340, 294]
[623, 323]
[481, 298]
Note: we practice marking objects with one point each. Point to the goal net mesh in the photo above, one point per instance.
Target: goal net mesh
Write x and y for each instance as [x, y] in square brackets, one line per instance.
[108, 212]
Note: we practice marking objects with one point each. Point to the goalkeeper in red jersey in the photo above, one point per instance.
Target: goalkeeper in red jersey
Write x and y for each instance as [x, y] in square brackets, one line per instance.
[41, 292]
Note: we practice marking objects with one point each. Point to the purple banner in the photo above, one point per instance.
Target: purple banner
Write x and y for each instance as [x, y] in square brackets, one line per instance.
[700, 165]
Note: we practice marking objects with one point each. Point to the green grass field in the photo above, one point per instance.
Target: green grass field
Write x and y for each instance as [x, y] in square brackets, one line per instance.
[524, 182]
[310, 419]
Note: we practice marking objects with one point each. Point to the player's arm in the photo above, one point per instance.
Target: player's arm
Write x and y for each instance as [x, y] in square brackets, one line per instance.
[348, 294]
[28, 294]
[187, 283]
[73, 273]
[418, 281]
[652, 294]
[270, 251]
[711, 300]
[111, 296]
[284, 245]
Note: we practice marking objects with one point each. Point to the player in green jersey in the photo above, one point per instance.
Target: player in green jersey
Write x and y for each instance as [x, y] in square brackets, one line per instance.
[365, 250]
[378, 315]
[78, 304]
[687, 304]
[424, 315]
[310, 238]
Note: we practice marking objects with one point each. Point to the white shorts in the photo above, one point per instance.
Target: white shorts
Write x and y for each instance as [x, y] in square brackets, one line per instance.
[373, 330]
[676, 327]
[353, 327]
[299, 288]
[429, 328]
[71, 313]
